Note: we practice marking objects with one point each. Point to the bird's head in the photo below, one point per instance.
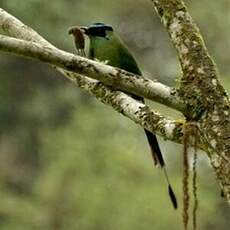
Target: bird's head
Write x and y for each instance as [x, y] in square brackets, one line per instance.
[97, 30]
[98, 33]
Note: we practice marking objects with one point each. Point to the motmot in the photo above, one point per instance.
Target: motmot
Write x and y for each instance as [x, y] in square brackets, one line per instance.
[106, 46]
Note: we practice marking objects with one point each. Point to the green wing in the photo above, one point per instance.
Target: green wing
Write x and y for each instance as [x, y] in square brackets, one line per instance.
[127, 61]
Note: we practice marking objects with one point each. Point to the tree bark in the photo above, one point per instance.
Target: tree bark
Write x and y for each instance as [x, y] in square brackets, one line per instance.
[207, 101]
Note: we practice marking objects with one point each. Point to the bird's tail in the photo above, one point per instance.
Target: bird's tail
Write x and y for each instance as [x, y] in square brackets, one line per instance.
[159, 161]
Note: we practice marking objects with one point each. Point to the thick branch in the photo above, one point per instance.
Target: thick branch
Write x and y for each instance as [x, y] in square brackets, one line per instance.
[206, 99]
[136, 111]
[117, 78]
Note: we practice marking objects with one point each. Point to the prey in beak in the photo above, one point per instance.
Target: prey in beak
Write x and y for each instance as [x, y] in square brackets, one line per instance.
[79, 39]
[84, 29]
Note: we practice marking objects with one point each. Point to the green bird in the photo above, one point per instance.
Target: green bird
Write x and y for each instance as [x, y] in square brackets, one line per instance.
[106, 46]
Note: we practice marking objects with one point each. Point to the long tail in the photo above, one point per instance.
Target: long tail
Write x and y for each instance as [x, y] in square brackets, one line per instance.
[159, 160]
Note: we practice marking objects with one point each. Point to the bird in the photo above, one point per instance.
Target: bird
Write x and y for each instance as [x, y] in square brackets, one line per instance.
[106, 46]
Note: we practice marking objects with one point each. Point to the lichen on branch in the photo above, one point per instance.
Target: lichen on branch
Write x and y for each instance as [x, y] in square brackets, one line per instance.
[200, 88]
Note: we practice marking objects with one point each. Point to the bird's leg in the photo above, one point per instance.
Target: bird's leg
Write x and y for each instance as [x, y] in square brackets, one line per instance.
[82, 53]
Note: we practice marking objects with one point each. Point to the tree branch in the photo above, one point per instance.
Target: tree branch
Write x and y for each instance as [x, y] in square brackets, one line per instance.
[206, 99]
[117, 78]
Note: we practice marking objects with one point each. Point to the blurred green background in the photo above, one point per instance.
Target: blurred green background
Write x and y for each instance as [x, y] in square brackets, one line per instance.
[69, 162]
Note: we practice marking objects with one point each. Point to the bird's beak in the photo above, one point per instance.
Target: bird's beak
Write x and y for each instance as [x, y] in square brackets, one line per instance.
[84, 29]
[70, 31]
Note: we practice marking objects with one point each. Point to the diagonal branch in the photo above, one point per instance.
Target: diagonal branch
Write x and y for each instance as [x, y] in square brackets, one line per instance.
[206, 99]
[117, 78]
